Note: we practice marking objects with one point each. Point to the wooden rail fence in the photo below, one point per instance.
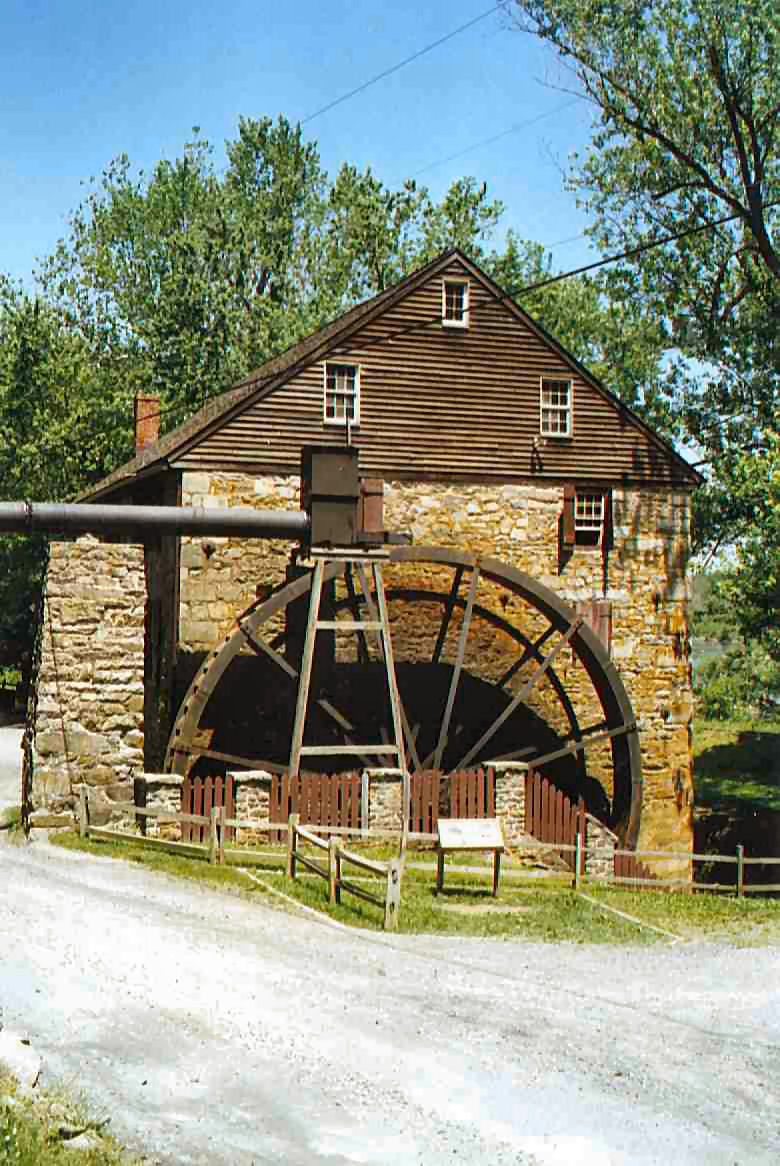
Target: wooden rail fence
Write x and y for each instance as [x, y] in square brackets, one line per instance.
[337, 856]
[205, 834]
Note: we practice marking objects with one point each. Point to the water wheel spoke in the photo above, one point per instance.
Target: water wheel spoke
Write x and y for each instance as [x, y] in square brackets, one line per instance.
[407, 738]
[520, 696]
[591, 737]
[529, 653]
[260, 648]
[447, 615]
[354, 605]
[459, 656]
[231, 758]
[428, 761]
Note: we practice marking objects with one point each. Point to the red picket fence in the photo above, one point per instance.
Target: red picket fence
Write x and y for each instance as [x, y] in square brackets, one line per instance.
[319, 799]
[424, 791]
[629, 867]
[473, 794]
[550, 816]
[199, 795]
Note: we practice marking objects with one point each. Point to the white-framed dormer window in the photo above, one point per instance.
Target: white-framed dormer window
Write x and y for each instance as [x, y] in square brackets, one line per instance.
[455, 303]
[556, 401]
[589, 518]
[342, 393]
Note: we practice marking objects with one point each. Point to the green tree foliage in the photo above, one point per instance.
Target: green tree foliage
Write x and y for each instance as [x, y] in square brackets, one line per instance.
[185, 279]
[752, 588]
[686, 134]
[686, 99]
[59, 430]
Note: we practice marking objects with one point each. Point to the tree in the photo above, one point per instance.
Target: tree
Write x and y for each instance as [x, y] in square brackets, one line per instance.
[752, 587]
[186, 279]
[60, 429]
[686, 98]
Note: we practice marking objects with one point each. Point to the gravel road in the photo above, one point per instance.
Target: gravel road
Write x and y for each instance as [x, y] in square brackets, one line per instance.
[214, 1030]
[10, 765]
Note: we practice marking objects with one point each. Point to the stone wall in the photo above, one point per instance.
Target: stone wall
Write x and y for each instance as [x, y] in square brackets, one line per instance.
[96, 600]
[89, 724]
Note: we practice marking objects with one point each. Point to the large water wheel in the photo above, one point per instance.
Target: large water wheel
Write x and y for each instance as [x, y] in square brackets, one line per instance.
[491, 665]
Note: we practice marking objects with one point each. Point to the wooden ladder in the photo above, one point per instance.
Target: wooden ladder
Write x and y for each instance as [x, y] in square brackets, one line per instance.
[379, 626]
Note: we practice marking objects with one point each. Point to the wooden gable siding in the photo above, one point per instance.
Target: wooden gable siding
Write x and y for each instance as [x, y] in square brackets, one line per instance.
[444, 402]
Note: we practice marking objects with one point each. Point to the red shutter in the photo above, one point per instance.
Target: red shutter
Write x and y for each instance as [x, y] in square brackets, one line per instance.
[567, 525]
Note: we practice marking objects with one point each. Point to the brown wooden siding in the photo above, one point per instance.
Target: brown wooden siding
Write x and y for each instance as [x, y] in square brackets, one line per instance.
[444, 402]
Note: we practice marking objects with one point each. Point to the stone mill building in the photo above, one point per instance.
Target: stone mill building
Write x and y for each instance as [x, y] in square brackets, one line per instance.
[529, 491]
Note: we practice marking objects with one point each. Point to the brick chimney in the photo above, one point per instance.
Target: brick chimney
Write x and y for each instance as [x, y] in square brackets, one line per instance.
[147, 420]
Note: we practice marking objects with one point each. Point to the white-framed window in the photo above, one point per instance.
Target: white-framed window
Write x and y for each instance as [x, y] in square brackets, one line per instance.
[556, 407]
[589, 518]
[455, 303]
[342, 393]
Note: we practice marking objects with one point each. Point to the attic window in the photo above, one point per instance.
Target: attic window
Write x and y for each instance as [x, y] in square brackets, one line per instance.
[455, 303]
[342, 394]
[589, 512]
[556, 408]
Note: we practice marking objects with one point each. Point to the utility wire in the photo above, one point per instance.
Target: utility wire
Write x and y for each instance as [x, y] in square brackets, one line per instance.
[394, 68]
[495, 137]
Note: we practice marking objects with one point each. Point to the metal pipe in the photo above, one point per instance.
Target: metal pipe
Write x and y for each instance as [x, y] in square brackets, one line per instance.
[236, 521]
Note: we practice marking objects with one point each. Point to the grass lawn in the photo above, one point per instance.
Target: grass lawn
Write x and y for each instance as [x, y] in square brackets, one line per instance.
[527, 907]
[32, 1126]
[737, 762]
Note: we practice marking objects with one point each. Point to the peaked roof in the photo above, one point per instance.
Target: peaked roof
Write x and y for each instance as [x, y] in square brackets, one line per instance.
[281, 368]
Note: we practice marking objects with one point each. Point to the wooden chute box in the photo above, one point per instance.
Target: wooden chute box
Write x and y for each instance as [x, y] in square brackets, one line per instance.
[330, 492]
[372, 499]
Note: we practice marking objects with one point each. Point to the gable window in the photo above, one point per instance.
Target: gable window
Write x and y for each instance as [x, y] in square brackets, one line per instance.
[589, 515]
[342, 393]
[455, 303]
[556, 408]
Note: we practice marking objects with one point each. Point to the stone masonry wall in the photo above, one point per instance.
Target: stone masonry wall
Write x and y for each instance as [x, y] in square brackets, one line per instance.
[90, 694]
[643, 577]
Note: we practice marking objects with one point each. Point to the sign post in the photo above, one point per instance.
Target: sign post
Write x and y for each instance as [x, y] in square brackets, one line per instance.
[464, 834]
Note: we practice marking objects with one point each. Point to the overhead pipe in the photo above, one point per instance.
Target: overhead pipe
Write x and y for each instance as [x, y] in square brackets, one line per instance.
[83, 518]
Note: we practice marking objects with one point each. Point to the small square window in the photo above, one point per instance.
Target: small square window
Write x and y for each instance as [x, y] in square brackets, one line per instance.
[589, 512]
[455, 303]
[556, 408]
[342, 394]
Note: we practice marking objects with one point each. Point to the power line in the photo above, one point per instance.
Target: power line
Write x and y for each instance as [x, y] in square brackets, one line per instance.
[562, 242]
[495, 137]
[394, 68]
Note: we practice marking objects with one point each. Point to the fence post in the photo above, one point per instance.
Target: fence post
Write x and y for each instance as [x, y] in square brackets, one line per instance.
[139, 798]
[213, 818]
[222, 817]
[392, 894]
[578, 862]
[740, 871]
[333, 848]
[364, 801]
[292, 823]
[83, 819]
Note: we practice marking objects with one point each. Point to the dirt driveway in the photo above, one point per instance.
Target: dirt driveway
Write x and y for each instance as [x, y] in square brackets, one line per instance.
[214, 1030]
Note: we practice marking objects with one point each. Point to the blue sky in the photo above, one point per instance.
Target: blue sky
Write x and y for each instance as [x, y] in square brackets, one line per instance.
[83, 81]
